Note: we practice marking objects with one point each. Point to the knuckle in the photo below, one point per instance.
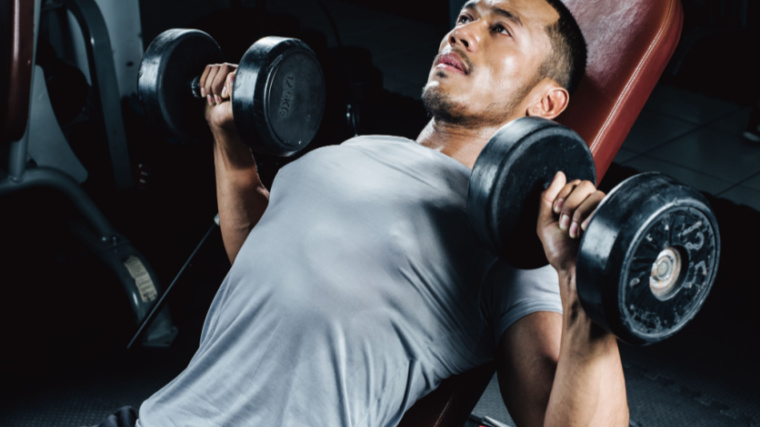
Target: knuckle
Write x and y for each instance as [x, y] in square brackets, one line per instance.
[587, 186]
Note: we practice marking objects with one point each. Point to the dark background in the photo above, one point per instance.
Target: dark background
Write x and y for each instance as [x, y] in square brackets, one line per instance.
[66, 319]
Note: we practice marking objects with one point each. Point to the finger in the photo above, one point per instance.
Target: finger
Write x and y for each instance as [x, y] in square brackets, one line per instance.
[578, 194]
[217, 86]
[566, 190]
[545, 211]
[227, 91]
[213, 70]
[202, 81]
[586, 211]
[583, 213]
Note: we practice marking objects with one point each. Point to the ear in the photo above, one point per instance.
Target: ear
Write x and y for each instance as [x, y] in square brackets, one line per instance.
[550, 102]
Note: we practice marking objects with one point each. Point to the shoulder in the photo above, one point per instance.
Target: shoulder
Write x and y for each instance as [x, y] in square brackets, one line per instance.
[510, 294]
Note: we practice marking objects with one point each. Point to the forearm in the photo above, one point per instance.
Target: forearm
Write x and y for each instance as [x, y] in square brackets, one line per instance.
[241, 196]
[589, 386]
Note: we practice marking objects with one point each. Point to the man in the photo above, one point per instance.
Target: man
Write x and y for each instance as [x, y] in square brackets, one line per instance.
[357, 285]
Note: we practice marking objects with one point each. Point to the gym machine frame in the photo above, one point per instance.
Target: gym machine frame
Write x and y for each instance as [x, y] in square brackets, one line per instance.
[136, 276]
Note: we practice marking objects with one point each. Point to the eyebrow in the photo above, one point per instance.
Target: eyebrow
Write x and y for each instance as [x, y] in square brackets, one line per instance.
[470, 5]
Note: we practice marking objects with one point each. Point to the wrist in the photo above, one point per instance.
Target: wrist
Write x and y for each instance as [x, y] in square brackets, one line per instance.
[224, 132]
[579, 330]
[566, 274]
[228, 139]
[567, 287]
[231, 152]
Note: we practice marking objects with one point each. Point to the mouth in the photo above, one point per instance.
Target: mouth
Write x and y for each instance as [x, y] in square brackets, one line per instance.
[452, 60]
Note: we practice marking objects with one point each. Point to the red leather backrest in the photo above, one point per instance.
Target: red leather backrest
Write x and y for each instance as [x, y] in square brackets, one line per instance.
[629, 43]
[16, 54]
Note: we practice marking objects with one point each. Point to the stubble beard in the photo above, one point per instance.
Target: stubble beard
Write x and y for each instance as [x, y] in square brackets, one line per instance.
[442, 108]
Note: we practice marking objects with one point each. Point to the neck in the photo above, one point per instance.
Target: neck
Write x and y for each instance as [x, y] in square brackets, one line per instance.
[462, 143]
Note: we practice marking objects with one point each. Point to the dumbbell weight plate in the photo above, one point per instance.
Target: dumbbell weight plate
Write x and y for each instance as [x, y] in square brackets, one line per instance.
[648, 258]
[170, 63]
[509, 175]
[279, 96]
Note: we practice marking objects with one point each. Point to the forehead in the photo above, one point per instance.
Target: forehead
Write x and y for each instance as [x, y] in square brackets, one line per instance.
[529, 13]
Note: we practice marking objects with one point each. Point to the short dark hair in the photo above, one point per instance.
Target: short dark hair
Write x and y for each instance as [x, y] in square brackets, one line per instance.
[567, 61]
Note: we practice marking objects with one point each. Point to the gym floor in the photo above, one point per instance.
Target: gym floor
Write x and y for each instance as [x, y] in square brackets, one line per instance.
[63, 361]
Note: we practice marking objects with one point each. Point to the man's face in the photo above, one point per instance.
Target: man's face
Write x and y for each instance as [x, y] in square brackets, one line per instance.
[489, 62]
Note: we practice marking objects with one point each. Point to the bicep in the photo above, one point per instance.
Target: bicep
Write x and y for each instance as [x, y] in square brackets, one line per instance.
[527, 356]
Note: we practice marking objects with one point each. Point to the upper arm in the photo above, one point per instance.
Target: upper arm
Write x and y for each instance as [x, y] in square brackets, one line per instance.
[527, 355]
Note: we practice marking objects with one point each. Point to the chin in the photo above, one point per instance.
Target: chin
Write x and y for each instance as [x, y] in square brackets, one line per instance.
[429, 88]
[440, 106]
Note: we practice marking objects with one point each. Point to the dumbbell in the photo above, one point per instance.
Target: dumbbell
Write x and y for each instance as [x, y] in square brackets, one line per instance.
[649, 256]
[278, 96]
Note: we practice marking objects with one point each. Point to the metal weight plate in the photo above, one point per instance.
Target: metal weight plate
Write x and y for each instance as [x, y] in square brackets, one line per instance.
[648, 258]
[279, 96]
[516, 165]
[171, 61]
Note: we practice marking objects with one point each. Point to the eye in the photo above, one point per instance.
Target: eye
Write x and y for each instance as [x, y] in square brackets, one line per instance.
[501, 30]
[463, 19]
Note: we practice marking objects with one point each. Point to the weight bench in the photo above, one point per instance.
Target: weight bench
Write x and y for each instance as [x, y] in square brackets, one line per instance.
[629, 46]
[30, 130]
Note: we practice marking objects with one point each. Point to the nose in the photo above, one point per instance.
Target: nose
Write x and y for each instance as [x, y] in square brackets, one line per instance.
[466, 36]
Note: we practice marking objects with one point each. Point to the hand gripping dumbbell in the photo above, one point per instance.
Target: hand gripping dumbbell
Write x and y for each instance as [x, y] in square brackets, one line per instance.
[278, 95]
[649, 255]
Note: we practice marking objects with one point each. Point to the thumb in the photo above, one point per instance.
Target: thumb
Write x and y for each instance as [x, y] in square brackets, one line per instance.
[545, 211]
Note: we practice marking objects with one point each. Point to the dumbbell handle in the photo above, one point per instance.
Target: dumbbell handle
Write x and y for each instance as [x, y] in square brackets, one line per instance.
[195, 86]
